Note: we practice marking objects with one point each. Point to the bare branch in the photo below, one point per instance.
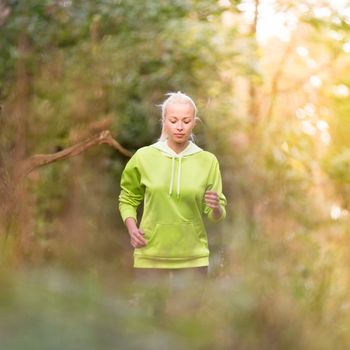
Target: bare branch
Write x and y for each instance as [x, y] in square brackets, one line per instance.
[39, 160]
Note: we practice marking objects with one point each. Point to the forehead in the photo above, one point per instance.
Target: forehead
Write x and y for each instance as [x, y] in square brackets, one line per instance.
[179, 110]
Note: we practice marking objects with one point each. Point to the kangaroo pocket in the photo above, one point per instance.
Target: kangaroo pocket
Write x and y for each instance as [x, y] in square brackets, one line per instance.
[176, 240]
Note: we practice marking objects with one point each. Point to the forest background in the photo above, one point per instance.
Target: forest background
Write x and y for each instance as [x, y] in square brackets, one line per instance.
[271, 82]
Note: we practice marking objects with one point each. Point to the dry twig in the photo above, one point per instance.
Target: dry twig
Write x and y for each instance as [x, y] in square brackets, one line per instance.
[39, 160]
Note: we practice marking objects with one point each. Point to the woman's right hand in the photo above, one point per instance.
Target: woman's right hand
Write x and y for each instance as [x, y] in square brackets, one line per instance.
[137, 239]
[136, 234]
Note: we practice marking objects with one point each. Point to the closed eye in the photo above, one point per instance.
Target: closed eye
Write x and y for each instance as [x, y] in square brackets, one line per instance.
[185, 121]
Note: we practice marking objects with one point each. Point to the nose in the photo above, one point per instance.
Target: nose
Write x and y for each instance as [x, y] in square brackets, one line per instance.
[179, 126]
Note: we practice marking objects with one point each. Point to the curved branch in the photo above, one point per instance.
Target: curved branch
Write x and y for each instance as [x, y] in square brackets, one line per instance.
[39, 160]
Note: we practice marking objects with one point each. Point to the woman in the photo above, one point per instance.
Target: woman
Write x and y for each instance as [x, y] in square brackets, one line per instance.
[178, 182]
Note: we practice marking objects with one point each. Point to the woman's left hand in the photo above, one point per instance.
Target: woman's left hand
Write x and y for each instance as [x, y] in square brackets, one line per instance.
[212, 200]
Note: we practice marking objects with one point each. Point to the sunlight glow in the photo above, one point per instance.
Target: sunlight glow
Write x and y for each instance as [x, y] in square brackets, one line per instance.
[335, 212]
[322, 12]
[310, 109]
[340, 90]
[311, 125]
[315, 81]
[279, 24]
[342, 7]
[308, 128]
[271, 24]
[325, 137]
[322, 125]
[346, 47]
[336, 20]
[302, 51]
[336, 35]
[303, 8]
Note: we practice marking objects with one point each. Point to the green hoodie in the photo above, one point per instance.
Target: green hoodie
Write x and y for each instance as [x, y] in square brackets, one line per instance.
[172, 187]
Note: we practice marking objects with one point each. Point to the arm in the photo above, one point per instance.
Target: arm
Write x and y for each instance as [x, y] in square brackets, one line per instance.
[130, 197]
[215, 200]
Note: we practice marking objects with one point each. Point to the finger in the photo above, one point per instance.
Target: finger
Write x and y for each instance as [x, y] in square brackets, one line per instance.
[139, 239]
[212, 201]
[142, 244]
[211, 195]
[211, 192]
[138, 234]
[212, 204]
[136, 244]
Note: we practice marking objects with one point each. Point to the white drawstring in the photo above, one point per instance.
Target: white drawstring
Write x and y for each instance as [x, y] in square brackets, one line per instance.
[172, 176]
[178, 178]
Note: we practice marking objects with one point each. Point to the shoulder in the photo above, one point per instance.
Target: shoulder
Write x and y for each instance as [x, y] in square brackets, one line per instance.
[209, 156]
[140, 157]
[144, 151]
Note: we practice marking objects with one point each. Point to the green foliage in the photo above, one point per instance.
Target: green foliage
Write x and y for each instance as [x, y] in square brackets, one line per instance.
[278, 276]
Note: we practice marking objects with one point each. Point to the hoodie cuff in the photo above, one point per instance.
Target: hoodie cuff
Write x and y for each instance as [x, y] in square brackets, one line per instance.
[222, 217]
[128, 213]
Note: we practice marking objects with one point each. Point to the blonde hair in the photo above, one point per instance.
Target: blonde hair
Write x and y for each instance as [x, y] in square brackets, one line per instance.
[176, 97]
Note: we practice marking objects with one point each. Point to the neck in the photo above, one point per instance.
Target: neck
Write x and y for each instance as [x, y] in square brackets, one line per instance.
[177, 147]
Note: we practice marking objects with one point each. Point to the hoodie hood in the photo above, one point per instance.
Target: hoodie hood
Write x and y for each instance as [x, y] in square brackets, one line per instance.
[192, 148]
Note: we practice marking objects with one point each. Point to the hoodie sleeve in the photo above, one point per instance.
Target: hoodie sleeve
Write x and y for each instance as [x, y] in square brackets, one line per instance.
[215, 184]
[132, 192]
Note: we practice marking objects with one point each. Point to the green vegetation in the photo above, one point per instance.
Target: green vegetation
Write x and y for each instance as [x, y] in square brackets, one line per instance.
[274, 108]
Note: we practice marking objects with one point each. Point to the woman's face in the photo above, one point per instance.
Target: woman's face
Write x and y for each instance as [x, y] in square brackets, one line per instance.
[178, 122]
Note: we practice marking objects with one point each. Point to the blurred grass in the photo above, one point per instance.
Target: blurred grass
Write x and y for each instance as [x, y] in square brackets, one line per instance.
[263, 299]
[279, 263]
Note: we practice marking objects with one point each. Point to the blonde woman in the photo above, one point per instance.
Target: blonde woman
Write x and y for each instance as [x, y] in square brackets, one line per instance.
[178, 182]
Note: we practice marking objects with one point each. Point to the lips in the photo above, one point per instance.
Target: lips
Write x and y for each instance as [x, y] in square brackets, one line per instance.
[179, 135]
